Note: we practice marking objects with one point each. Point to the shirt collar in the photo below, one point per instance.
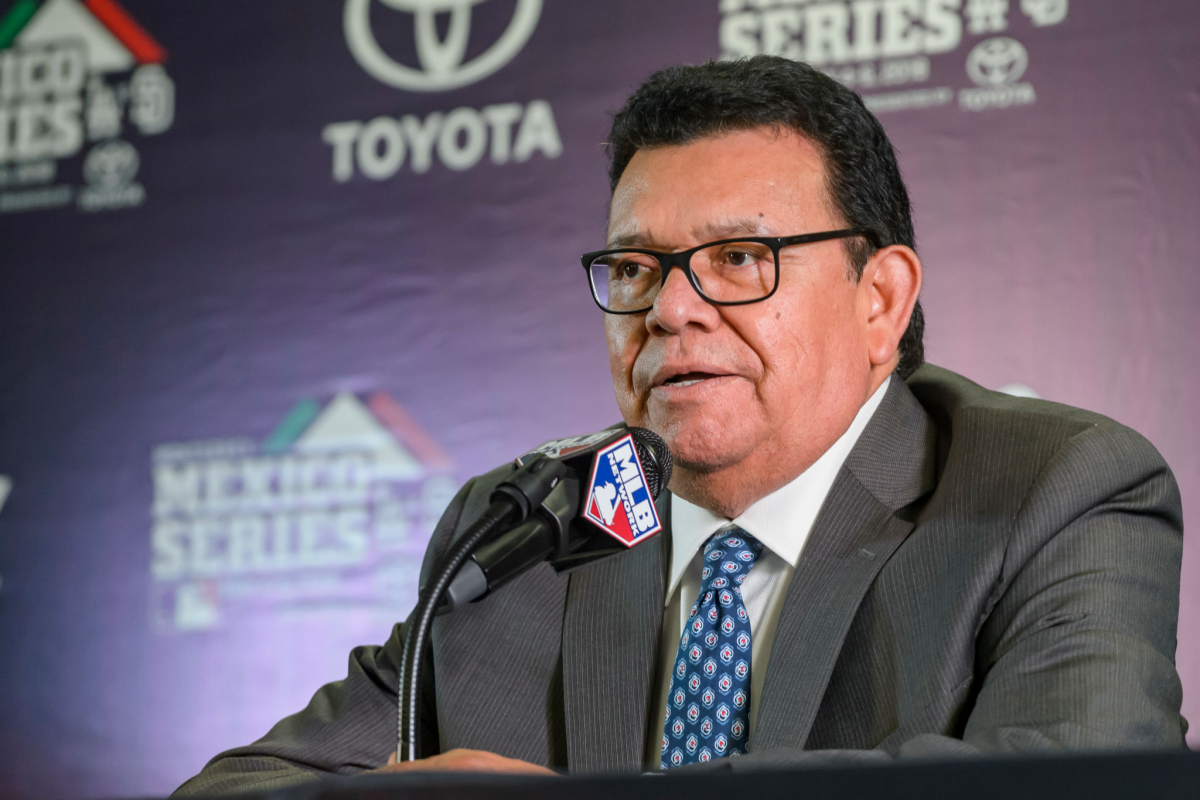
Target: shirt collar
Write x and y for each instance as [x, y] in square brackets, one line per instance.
[781, 520]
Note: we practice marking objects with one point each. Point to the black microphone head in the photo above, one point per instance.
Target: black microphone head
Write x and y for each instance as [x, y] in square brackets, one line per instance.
[655, 457]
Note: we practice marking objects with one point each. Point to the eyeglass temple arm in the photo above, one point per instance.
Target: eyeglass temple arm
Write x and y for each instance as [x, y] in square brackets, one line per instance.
[808, 238]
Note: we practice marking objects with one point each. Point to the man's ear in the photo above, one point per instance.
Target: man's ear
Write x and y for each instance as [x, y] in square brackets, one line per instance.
[891, 283]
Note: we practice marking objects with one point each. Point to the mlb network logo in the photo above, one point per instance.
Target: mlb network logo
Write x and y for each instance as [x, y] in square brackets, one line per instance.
[618, 500]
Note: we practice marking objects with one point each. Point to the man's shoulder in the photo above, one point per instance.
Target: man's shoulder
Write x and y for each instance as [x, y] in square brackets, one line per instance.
[949, 397]
[989, 433]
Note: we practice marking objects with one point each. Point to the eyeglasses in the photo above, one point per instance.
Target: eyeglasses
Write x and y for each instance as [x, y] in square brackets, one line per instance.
[729, 272]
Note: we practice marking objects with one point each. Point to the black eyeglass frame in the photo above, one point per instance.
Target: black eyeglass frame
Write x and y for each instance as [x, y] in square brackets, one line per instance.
[683, 260]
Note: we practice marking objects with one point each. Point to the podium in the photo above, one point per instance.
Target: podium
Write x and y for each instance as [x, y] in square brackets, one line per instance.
[1145, 776]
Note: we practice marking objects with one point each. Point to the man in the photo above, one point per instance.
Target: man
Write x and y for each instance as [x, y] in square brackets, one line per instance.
[864, 557]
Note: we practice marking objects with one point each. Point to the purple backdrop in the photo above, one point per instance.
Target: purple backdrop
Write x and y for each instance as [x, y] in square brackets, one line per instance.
[276, 277]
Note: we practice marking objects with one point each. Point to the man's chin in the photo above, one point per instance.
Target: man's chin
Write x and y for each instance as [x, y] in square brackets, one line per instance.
[704, 448]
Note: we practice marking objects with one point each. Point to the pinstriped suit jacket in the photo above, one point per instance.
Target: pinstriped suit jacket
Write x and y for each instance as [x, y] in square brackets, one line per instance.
[987, 574]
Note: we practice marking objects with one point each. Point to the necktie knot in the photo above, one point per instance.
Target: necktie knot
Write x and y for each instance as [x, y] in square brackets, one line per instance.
[728, 557]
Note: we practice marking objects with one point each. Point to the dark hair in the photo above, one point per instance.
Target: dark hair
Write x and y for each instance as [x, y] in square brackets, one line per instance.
[681, 104]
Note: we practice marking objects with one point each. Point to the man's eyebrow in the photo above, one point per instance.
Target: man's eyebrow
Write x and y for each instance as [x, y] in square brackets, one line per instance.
[709, 232]
[636, 239]
[731, 229]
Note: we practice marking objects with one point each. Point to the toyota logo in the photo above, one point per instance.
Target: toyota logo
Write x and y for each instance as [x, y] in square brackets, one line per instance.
[997, 62]
[111, 165]
[441, 59]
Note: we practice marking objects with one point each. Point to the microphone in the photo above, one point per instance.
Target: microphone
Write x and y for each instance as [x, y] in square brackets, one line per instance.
[609, 485]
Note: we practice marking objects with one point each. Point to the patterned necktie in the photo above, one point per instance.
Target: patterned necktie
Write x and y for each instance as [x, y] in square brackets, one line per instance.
[709, 703]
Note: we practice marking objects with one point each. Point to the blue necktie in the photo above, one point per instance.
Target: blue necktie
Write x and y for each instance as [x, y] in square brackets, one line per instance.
[709, 703]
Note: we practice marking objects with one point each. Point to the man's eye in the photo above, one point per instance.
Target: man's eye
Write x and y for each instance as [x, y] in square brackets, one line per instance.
[629, 271]
[739, 259]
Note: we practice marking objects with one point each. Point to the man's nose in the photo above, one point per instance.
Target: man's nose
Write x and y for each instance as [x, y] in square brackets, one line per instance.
[679, 304]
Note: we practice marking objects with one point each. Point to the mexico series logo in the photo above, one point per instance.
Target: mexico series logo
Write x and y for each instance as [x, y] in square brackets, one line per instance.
[77, 78]
[901, 55]
[331, 511]
[618, 500]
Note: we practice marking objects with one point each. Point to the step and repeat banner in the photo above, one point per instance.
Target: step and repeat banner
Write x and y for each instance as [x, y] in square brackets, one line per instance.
[277, 277]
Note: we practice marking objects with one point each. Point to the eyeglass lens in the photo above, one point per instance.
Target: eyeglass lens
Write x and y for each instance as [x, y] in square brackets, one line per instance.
[732, 272]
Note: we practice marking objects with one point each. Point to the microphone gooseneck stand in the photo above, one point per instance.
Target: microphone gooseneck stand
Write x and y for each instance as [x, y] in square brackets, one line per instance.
[512, 502]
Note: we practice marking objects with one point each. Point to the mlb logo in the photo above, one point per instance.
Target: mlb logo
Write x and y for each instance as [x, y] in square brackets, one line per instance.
[619, 502]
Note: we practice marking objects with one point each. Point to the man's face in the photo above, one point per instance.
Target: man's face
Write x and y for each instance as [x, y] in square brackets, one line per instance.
[760, 384]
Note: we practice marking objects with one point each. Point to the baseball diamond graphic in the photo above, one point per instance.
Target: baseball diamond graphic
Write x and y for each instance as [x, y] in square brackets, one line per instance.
[114, 40]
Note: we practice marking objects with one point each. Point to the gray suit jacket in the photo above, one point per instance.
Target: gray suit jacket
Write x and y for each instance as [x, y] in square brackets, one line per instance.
[987, 574]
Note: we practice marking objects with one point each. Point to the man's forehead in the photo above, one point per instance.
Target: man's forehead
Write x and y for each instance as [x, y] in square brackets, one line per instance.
[737, 184]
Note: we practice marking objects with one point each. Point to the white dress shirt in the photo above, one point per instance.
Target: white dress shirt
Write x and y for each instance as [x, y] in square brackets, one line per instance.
[781, 521]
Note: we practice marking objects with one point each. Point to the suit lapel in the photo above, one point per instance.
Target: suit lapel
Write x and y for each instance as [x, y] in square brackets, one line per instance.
[852, 538]
[611, 629]
[854, 535]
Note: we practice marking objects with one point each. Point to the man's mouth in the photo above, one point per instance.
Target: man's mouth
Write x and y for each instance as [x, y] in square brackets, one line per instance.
[689, 378]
